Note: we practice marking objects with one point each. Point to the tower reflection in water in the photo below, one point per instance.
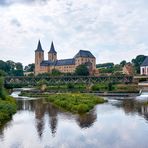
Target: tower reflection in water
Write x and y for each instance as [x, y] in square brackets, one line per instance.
[41, 109]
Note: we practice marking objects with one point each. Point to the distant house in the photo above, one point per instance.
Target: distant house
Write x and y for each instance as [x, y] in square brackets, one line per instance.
[128, 69]
[144, 67]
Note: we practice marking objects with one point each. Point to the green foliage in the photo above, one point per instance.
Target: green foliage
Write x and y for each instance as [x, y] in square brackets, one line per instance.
[56, 72]
[2, 91]
[70, 86]
[122, 63]
[110, 87]
[7, 109]
[29, 67]
[11, 68]
[105, 65]
[99, 87]
[77, 103]
[111, 70]
[82, 70]
[2, 73]
[44, 74]
[126, 88]
[42, 82]
[7, 104]
[137, 62]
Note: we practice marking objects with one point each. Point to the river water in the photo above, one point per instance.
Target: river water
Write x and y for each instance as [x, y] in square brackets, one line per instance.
[115, 124]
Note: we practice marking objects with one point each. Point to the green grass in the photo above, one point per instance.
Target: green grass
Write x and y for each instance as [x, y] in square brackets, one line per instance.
[7, 109]
[7, 104]
[76, 103]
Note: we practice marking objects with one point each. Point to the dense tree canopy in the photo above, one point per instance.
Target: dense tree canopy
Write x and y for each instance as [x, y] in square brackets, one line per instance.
[105, 65]
[11, 68]
[82, 70]
[122, 63]
[137, 62]
[29, 67]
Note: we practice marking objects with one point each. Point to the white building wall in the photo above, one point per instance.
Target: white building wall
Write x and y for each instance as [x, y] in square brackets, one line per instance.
[144, 70]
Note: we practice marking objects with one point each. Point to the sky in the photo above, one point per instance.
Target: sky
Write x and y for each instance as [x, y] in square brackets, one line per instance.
[113, 30]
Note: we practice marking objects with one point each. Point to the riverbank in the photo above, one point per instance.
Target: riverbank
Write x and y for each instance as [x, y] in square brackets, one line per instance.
[7, 105]
[76, 103]
[7, 109]
[73, 102]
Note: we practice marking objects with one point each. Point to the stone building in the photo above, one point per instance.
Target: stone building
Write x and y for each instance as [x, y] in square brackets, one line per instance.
[144, 67]
[64, 65]
[128, 69]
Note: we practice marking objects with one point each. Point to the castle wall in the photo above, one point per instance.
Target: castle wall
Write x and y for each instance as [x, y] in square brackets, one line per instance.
[66, 68]
[83, 60]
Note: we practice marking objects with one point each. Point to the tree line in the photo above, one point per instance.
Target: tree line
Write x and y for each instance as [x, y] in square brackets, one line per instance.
[12, 68]
[113, 68]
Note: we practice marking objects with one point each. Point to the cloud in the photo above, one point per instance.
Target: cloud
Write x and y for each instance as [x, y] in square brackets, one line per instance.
[111, 30]
[10, 2]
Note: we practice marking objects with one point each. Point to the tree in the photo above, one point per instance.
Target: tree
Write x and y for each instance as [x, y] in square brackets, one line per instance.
[11, 68]
[137, 62]
[2, 73]
[29, 67]
[82, 70]
[56, 72]
[105, 65]
[18, 66]
[123, 63]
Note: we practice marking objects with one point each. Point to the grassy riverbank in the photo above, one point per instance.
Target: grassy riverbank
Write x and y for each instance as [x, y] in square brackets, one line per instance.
[73, 102]
[7, 105]
[76, 103]
[98, 87]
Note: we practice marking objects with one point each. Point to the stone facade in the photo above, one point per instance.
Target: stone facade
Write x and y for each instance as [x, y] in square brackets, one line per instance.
[65, 65]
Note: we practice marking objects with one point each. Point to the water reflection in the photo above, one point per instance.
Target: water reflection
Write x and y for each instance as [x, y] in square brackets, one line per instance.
[41, 109]
[87, 120]
[52, 112]
[132, 106]
[40, 124]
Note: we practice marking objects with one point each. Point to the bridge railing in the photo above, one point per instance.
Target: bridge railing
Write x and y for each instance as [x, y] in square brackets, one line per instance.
[52, 80]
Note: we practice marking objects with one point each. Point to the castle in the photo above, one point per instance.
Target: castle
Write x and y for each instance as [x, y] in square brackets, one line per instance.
[64, 65]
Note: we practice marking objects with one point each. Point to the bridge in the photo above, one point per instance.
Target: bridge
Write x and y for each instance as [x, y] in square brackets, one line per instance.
[26, 81]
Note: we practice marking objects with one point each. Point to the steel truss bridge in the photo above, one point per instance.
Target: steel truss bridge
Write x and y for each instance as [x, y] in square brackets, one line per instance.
[33, 81]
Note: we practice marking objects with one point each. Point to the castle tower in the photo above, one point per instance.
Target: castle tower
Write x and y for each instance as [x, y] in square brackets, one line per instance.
[39, 57]
[52, 54]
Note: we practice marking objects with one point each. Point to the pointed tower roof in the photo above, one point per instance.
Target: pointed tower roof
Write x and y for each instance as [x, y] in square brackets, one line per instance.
[39, 47]
[52, 49]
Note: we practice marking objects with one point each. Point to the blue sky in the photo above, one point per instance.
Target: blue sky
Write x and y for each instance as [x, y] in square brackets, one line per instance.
[113, 30]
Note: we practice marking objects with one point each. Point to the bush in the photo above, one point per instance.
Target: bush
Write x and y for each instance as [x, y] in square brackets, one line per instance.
[76, 103]
[70, 86]
[82, 108]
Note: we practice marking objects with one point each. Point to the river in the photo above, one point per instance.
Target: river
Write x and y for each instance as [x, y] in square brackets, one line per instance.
[115, 124]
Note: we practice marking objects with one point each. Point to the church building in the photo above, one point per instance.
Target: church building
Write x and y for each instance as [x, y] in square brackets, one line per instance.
[63, 65]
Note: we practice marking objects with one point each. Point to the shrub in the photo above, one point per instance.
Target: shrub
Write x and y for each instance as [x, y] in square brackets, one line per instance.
[70, 85]
[82, 108]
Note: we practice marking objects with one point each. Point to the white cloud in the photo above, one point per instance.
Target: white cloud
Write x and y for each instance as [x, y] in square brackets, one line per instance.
[112, 30]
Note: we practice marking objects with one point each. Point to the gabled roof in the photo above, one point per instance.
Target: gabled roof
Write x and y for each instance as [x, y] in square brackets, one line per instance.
[52, 49]
[84, 53]
[145, 62]
[58, 62]
[39, 47]
[47, 63]
[65, 62]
